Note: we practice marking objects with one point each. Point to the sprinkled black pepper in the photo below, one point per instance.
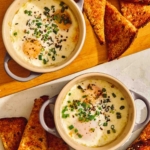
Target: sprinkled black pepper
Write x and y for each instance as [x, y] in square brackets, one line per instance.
[121, 98]
[114, 95]
[108, 131]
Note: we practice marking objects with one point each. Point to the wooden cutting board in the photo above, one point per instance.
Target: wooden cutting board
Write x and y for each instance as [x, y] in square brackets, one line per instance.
[92, 54]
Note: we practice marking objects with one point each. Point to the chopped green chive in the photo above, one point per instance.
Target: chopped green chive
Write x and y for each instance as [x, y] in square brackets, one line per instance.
[40, 57]
[65, 115]
[103, 90]
[44, 61]
[112, 126]
[99, 108]
[55, 30]
[113, 129]
[53, 58]
[25, 11]
[97, 113]
[114, 95]
[105, 124]
[104, 95]
[84, 96]
[84, 105]
[38, 24]
[91, 117]
[81, 119]
[65, 109]
[112, 107]
[15, 33]
[79, 135]
[75, 130]
[46, 9]
[71, 127]
[29, 13]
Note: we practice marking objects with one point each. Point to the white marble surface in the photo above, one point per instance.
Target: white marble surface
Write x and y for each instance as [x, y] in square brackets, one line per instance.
[133, 71]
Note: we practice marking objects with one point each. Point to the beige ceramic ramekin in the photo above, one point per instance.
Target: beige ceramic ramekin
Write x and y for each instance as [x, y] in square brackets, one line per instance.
[129, 127]
[6, 27]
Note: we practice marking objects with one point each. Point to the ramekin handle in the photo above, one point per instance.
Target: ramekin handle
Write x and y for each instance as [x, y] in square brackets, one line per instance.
[137, 96]
[22, 79]
[41, 117]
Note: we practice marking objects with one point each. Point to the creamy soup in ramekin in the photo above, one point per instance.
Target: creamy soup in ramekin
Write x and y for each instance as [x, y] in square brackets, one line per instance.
[94, 113]
[44, 32]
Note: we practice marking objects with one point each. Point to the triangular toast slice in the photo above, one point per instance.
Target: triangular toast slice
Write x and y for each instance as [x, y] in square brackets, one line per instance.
[137, 13]
[142, 142]
[34, 136]
[119, 32]
[11, 130]
[95, 11]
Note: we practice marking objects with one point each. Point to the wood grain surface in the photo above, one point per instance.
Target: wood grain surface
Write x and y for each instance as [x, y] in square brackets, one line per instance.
[92, 54]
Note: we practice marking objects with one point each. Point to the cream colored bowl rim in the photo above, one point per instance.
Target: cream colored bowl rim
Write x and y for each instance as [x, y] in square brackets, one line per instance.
[63, 93]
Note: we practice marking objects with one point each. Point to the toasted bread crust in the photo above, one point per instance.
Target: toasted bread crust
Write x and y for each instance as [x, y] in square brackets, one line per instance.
[95, 11]
[138, 1]
[143, 140]
[11, 130]
[138, 14]
[34, 136]
[119, 32]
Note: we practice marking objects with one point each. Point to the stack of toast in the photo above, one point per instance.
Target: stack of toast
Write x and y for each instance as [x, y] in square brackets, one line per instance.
[19, 134]
[117, 29]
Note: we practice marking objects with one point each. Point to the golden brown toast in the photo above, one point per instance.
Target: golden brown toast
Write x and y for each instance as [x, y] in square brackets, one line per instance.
[11, 130]
[95, 11]
[119, 32]
[143, 140]
[138, 1]
[138, 14]
[34, 136]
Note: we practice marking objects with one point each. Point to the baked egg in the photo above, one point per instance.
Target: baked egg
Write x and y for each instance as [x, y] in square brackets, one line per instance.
[44, 32]
[94, 113]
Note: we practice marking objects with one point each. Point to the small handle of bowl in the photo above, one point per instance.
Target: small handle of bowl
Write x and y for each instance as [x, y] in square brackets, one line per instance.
[137, 96]
[41, 117]
[30, 77]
